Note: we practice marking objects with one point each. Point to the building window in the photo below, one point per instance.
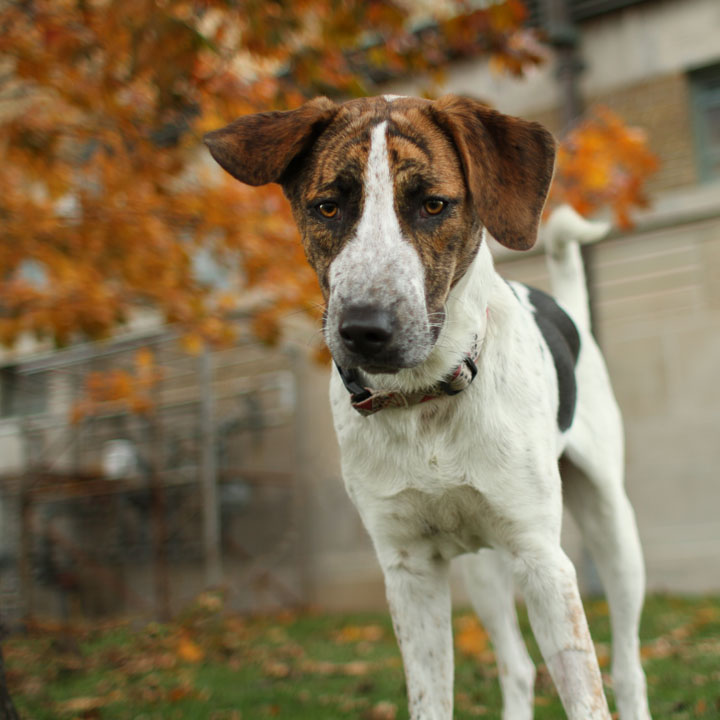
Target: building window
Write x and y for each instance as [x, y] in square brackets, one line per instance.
[22, 394]
[580, 10]
[705, 88]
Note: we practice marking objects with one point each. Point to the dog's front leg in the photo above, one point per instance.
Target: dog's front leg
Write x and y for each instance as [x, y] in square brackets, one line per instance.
[418, 593]
[549, 585]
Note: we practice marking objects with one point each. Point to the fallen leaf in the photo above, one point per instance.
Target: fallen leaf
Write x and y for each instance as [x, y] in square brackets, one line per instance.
[357, 668]
[32, 686]
[470, 638]
[384, 710]
[276, 669]
[659, 648]
[603, 655]
[80, 704]
[179, 693]
[359, 633]
[189, 651]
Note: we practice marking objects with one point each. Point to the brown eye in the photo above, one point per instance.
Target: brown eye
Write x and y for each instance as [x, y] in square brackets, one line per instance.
[434, 206]
[328, 209]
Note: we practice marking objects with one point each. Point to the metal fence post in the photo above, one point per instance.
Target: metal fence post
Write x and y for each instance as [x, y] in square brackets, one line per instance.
[209, 474]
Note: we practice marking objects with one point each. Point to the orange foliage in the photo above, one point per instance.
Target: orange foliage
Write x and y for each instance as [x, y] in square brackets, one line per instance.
[103, 207]
[119, 390]
[188, 650]
[603, 163]
[107, 199]
[470, 636]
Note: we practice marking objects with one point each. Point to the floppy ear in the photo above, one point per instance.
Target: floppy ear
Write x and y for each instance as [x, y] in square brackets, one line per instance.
[257, 149]
[508, 164]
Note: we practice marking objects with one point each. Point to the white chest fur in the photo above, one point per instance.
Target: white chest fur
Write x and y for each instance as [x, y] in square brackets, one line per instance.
[441, 474]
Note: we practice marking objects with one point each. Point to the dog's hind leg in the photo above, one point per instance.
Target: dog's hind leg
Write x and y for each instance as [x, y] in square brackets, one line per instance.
[489, 582]
[603, 512]
[594, 492]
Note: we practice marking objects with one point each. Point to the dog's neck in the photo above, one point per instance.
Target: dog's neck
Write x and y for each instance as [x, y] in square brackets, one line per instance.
[466, 317]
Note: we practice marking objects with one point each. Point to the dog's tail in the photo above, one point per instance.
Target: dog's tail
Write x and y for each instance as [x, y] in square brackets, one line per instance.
[565, 231]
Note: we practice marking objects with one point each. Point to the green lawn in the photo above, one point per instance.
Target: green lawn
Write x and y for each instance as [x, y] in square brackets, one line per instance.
[211, 666]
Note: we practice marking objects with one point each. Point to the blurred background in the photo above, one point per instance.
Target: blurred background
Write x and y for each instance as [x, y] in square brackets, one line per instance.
[164, 425]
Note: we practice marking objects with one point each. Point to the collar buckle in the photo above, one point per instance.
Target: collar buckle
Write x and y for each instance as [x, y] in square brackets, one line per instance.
[351, 380]
[459, 380]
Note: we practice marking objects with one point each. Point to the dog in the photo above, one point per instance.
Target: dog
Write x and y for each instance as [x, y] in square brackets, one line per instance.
[455, 394]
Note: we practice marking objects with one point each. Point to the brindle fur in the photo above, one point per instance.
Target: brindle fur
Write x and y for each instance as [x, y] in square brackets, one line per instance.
[319, 153]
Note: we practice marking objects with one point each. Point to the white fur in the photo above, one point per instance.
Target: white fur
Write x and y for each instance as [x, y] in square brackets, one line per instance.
[565, 231]
[477, 474]
[379, 267]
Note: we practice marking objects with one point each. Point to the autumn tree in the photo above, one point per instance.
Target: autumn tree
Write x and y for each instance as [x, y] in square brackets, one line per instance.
[602, 163]
[107, 201]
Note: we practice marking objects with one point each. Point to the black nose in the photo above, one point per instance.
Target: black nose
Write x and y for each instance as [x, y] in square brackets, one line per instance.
[366, 330]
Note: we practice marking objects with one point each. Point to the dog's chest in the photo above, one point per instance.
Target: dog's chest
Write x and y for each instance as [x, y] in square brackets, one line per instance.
[447, 523]
[422, 476]
[422, 448]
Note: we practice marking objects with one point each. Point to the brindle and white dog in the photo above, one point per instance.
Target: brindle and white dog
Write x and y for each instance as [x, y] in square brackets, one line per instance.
[456, 393]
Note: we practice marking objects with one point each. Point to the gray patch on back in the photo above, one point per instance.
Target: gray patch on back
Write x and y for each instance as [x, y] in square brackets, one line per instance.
[563, 340]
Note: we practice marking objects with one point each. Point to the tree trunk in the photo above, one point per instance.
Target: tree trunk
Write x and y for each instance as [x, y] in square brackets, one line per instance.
[7, 709]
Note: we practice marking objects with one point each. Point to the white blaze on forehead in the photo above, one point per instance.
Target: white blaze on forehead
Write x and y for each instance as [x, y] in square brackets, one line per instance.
[377, 266]
[379, 221]
[378, 252]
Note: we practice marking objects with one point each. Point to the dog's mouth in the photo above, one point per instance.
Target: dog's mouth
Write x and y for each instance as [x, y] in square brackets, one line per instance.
[386, 364]
[380, 369]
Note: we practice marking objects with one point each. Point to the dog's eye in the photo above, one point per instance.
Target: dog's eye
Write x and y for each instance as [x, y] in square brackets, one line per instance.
[433, 206]
[328, 210]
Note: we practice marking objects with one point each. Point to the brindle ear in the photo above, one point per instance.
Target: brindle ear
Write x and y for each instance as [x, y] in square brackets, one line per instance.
[257, 149]
[508, 164]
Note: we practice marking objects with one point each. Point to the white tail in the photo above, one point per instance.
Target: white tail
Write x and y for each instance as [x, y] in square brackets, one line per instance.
[564, 232]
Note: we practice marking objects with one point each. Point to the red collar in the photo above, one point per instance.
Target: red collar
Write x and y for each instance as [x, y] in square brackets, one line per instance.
[367, 401]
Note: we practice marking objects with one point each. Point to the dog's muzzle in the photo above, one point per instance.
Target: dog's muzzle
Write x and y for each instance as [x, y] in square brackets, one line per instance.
[377, 337]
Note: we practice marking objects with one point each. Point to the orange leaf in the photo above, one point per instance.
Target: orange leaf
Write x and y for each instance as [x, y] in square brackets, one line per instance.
[359, 633]
[384, 710]
[470, 638]
[179, 693]
[81, 705]
[276, 669]
[189, 651]
[602, 163]
[193, 344]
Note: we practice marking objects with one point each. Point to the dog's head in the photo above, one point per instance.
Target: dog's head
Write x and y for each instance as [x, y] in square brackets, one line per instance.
[390, 196]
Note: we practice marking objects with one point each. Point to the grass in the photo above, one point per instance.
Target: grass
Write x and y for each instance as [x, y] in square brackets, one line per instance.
[207, 665]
